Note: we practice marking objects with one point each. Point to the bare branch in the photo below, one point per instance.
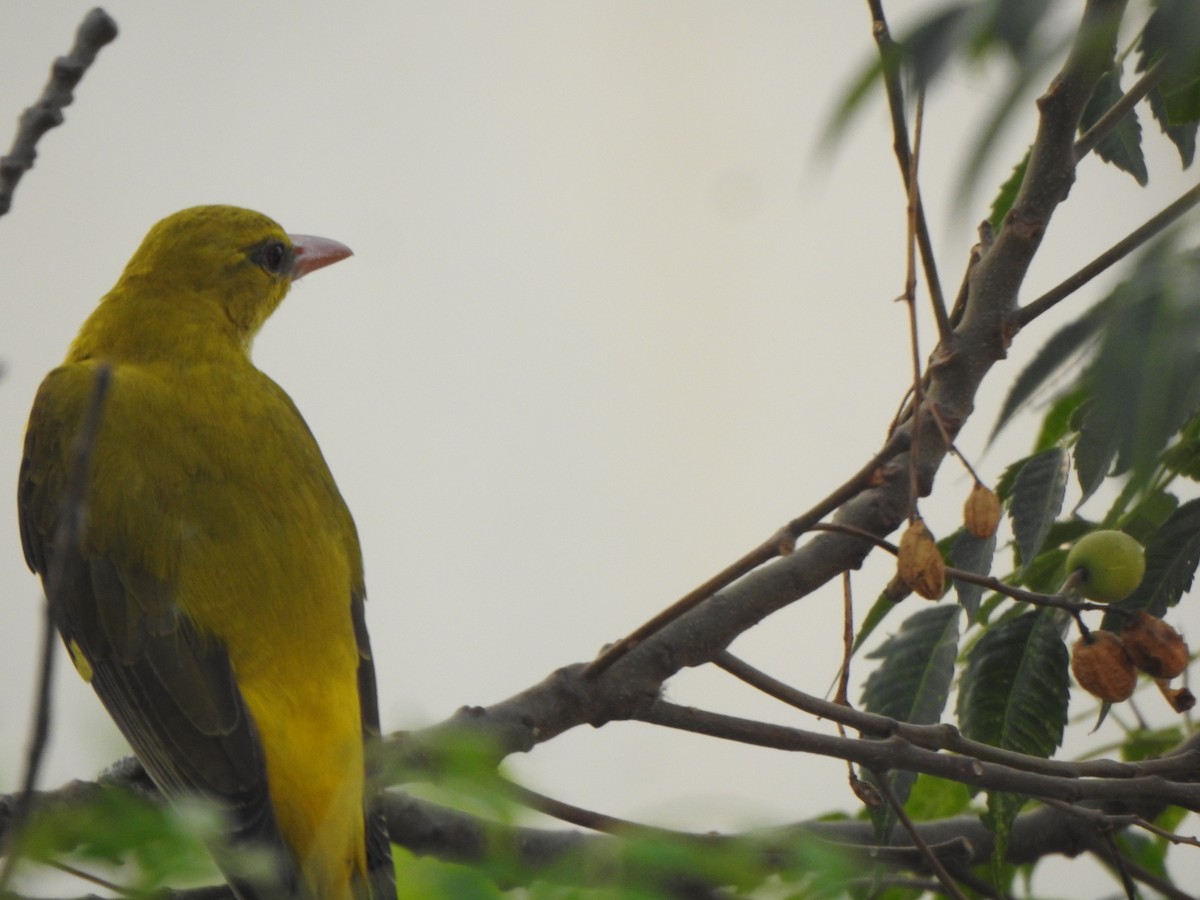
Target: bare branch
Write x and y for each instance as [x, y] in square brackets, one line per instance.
[96, 30]
[896, 753]
[1112, 255]
[895, 95]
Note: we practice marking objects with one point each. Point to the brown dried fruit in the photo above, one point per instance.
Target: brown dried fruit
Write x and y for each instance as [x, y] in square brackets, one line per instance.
[1154, 646]
[1181, 699]
[981, 514]
[1102, 667]
[920, 566]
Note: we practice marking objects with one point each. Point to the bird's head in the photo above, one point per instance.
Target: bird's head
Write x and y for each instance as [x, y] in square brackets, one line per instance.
[236, 264]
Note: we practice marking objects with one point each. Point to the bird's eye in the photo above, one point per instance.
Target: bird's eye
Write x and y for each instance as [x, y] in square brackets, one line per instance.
[272, 256]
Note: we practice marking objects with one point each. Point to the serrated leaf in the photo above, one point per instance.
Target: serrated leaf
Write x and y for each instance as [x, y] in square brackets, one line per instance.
[1172, 555]
[1037, 498]
[1149, 515]
[913, 680]
[1014, 690]
[1172, 35]
[1183, 457]
[1145, 379]
[1057, 421]
[1002, 809]
[1095, 450]
[1005, 198]
[974, 555]
[1181, 134]
[1122, 145]
[912, 683]
[1063, 346]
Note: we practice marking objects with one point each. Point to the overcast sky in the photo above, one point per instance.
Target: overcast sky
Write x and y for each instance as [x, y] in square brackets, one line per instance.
[611, 320]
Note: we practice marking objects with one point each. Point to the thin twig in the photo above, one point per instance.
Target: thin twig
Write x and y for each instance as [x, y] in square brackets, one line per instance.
[888, 53]
[777, 544]
[910, 300]
[1113, 254]
[96, 30]
[931, 860]
[942, 738]
[896, 753]
[67, 529]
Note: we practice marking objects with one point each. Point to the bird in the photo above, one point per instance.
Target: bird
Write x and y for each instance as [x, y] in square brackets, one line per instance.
[215, 595]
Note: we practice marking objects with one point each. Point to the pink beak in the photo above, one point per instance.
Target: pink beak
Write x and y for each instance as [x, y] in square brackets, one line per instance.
[312, 253]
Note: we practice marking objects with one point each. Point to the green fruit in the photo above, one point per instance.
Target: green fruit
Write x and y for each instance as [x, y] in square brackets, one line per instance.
[1112, 565]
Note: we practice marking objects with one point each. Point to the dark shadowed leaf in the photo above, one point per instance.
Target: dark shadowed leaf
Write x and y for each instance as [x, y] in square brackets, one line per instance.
[1122, 145]
[879, 611]
[1057, 422]
[913, 679]
[1007, 194]
[1064, 346]
[1172, 554]
[1096, 449]
[975, 555]
[1037, 498]
[912, 682]
[1014, 690]
[1145, 379]
[1172, 34]
[1182, 134]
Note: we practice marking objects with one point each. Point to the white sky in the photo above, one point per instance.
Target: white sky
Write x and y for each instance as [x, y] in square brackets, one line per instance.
[611, 320]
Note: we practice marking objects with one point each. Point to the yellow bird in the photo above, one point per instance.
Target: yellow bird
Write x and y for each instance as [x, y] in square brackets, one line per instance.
[215, 598]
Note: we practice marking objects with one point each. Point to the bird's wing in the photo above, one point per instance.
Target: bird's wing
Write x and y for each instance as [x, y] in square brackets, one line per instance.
[381, 874]
[170, 689]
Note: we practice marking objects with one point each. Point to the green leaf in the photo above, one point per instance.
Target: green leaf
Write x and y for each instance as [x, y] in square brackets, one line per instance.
[1014, 690]
[1183, 457]
[1150, 514]
[1172, 34]
[1122, 146]
[913, 679]
[1145, 379]
[1145, 743]
[1045, 573]
[1002, 809]
[157, 844]
[1172, 555]
[912, 683]
[975, 555]
[877, 613]
[1095, 450]
[1181, 134]
[1005, 198]
[1058, 421]
[1064, 346]
[936, 798]
[1037, 497]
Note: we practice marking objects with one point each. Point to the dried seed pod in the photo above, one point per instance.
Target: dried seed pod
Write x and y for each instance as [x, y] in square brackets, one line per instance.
[920, 566]
[1102, 667]
[981, 513]
[1154, 646]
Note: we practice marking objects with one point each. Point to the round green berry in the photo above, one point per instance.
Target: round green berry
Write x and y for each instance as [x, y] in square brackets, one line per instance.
[1111, 565]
